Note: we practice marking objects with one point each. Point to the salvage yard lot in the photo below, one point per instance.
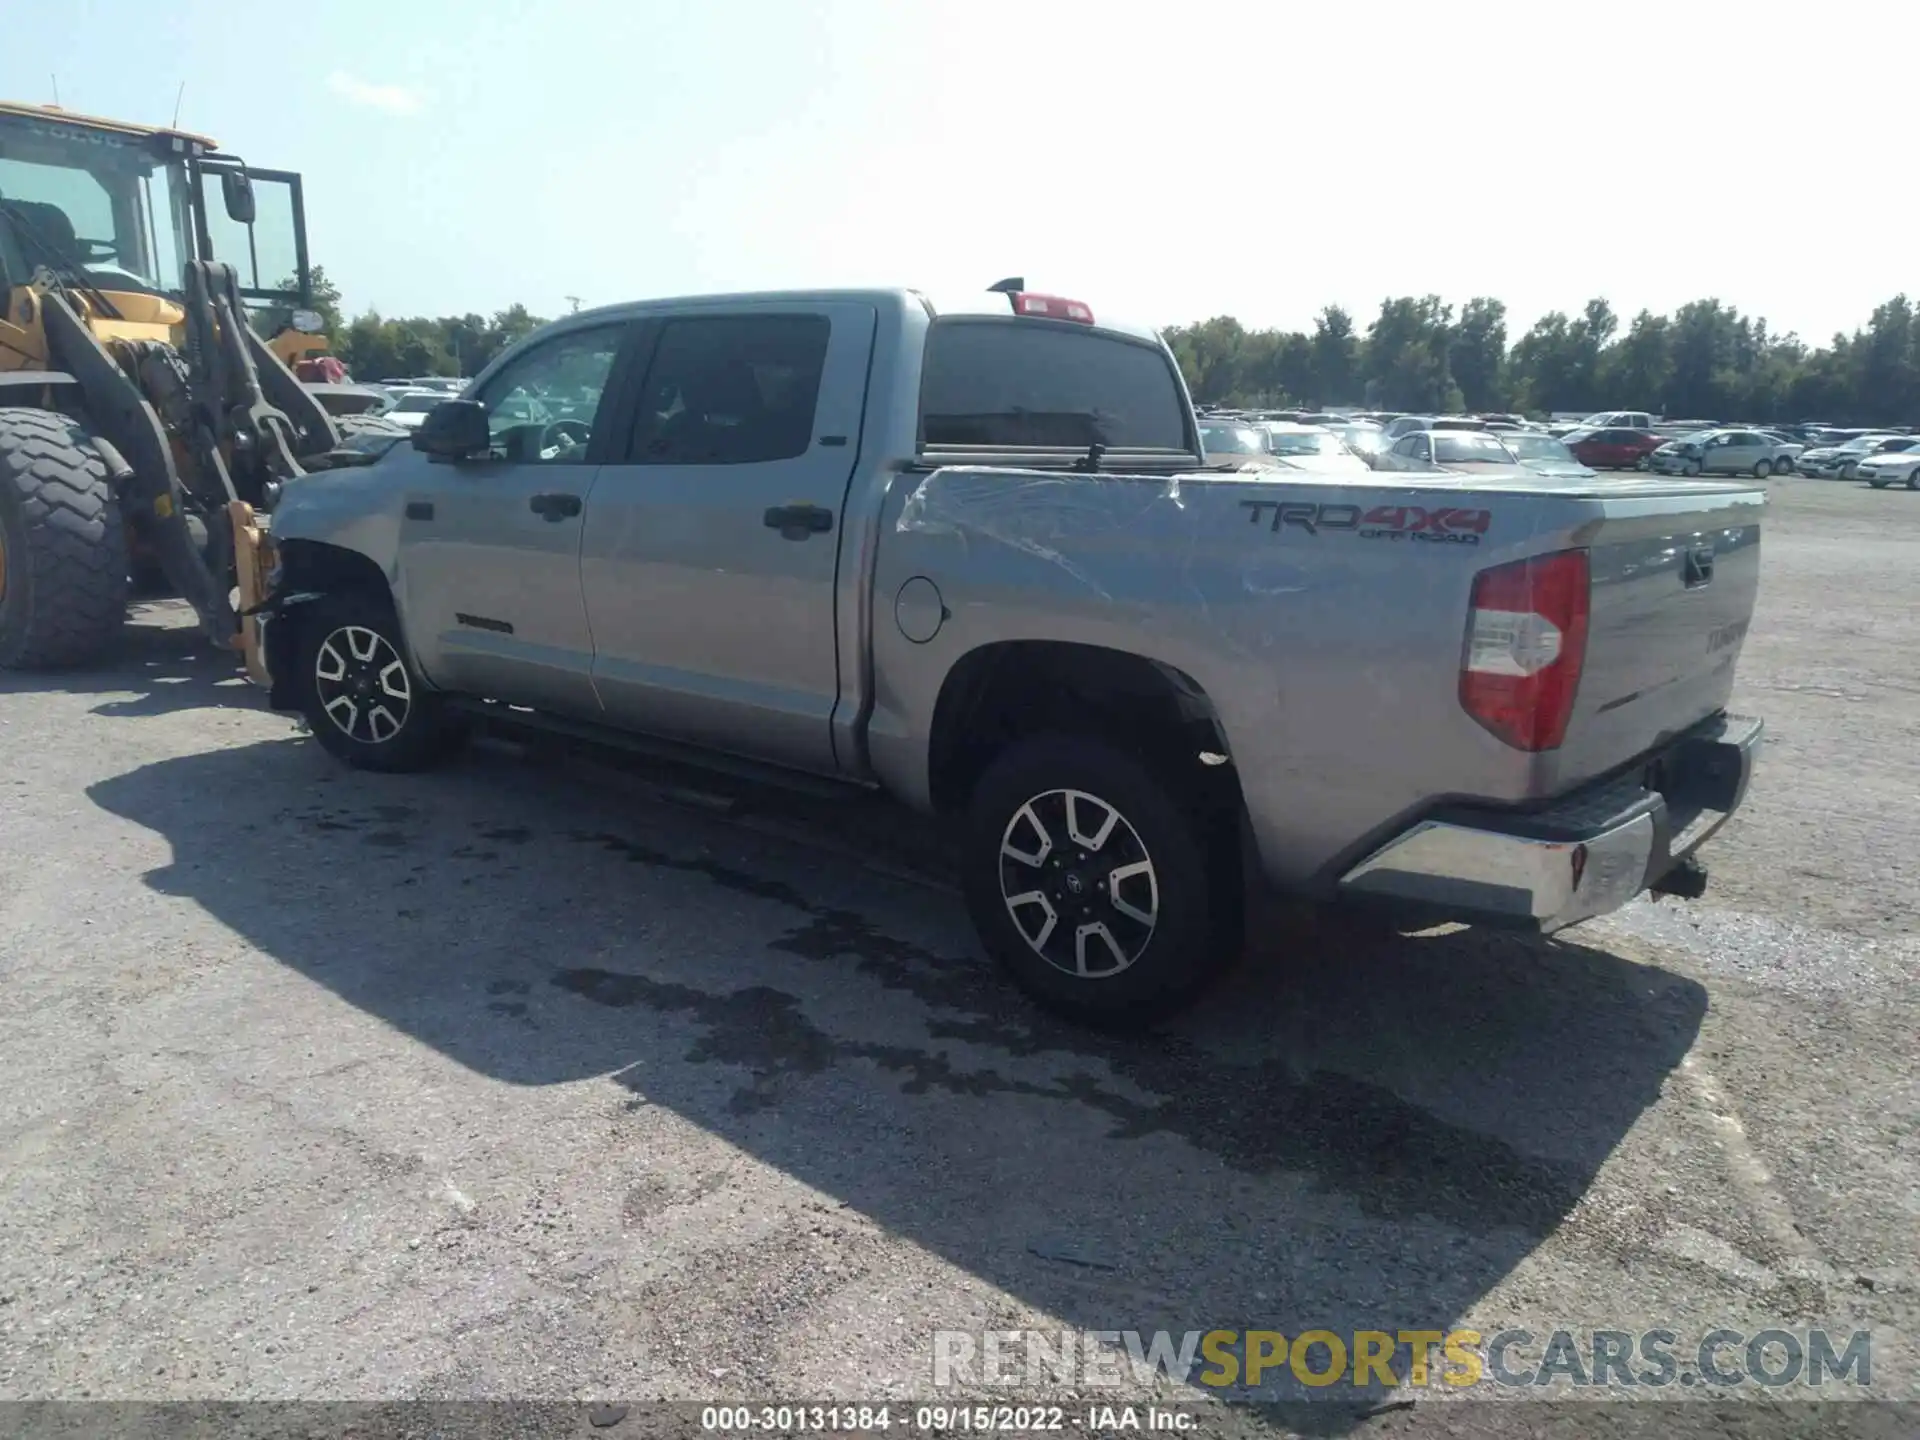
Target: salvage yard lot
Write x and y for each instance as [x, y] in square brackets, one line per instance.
[537, 1079]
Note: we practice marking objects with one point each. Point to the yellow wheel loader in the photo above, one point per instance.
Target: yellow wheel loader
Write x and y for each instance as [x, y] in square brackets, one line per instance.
[145, 427]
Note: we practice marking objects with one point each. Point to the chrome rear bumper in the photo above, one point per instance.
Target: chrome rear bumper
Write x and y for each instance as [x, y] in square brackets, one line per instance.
[1587, 854]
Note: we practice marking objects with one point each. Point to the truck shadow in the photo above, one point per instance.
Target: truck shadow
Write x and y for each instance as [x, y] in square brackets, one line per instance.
[159, 666]
[1358, 1131]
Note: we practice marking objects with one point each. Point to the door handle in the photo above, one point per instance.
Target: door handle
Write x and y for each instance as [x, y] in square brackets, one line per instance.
[555, 507]
[797, 522]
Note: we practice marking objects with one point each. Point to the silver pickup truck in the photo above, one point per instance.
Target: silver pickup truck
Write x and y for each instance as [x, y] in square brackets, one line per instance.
[967, 551]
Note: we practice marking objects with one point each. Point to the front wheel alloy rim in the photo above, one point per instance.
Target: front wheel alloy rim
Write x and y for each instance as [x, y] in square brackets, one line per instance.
[1079, 884]
[362, 684]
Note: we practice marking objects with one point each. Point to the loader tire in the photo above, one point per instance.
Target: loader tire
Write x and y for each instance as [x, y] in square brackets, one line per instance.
[63, 544]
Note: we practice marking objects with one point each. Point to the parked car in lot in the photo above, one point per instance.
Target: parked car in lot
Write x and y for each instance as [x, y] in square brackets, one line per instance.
[1787, 449]
[1312, 447]
[1544, 455]
[1717, 452]
[961, 551]
[1839, 461]
[1891, 467]
[1233, 442]
[410, 407]
[1363, 437]
[1620, 420]
[1458, 451]
[1613, 447]
[1408, 424]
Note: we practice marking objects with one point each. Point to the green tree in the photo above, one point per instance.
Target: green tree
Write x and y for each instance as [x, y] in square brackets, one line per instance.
[1335, 355]
[1406, 356]
[1477, 354]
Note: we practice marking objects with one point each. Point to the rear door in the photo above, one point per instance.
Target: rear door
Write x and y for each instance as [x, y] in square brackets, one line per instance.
[490, 547]
[712, 541]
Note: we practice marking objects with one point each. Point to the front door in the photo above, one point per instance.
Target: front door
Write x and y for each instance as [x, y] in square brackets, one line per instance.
[712, 549]
[490, 547]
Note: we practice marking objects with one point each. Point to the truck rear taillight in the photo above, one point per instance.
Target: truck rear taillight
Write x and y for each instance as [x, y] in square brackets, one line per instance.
[1051, 307]
[1526, 644]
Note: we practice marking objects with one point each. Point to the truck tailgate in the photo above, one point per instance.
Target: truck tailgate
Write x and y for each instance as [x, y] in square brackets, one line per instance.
[1675, 569]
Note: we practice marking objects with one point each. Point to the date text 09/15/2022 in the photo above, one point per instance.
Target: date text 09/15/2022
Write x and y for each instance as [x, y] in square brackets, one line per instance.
[945, 1419]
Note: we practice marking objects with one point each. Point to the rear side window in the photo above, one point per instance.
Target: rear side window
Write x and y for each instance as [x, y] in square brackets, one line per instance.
[1022, 384]
[732, 390]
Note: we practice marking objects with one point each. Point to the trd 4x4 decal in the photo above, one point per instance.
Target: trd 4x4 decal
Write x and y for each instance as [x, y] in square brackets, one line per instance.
[1448, 525]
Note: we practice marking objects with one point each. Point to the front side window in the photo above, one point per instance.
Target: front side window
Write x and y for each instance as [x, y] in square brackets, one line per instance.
[265, 255]
[541, 406]
[72, 198]
[732, 390]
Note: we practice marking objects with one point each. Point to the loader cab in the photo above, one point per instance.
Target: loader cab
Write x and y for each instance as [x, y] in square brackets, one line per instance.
[121, 209]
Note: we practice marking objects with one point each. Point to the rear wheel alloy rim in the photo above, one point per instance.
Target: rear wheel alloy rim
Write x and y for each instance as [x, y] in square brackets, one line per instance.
[1079, 884]
[362, 684]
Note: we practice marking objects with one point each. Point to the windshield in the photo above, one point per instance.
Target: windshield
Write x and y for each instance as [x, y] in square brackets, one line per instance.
[1306, 442]
[1232, 440]
[1539, 447]
[1468, 448]
[75, 196]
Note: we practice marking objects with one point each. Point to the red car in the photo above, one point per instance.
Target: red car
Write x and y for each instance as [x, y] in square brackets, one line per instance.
[1612, 449]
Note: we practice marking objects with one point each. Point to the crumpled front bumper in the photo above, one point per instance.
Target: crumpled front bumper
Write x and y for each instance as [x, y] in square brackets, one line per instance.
[1587, 854]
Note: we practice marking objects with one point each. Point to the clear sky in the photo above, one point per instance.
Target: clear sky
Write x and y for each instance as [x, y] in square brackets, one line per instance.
[1165, 161]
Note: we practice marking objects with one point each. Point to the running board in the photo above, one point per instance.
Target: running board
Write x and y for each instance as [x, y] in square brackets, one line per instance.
[494, 714]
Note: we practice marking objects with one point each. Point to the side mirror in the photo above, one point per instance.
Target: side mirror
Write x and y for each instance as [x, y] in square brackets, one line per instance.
[453, 430]
[237, 190]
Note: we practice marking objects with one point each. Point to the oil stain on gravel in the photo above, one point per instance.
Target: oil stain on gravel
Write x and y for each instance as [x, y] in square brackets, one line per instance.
[1391, 1157]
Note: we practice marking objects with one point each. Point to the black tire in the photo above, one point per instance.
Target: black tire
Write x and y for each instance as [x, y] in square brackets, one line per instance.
[63, 545]
[1193, 885]
[1882, 484]
[1913, 479]
[1762, 469]
[349, 646]
[1643, 463]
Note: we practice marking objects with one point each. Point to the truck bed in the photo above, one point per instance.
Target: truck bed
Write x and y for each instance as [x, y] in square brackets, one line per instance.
[1325, 616]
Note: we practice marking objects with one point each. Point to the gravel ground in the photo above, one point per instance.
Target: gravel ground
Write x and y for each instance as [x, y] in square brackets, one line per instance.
[537, 1079]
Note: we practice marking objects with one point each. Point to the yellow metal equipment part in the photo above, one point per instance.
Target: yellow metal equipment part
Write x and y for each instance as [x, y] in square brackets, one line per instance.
[252, 557]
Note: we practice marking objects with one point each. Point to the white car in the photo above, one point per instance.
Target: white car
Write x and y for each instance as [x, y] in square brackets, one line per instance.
[1891, 467]
[1312, 447]
[1458, 452]
[1235, 443]
[410, 407]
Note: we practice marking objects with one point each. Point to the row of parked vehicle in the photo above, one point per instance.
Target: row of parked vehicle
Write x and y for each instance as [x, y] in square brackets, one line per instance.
[1609, 440]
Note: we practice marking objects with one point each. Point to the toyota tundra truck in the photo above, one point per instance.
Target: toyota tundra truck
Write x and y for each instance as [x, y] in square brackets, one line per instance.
[967, 551]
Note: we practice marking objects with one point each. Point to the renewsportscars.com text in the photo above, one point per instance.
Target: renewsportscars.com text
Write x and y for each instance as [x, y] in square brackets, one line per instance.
[1458, 1359]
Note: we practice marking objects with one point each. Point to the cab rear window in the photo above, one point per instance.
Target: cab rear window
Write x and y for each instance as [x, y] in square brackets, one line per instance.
[1022, 384]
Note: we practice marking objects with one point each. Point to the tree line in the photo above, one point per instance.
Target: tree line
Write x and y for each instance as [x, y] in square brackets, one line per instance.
[377, 347]
[1705, 361]
[1420, 354]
